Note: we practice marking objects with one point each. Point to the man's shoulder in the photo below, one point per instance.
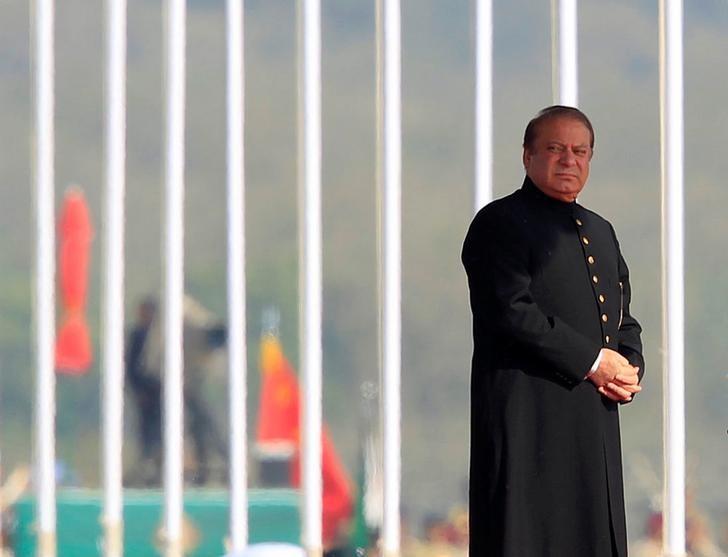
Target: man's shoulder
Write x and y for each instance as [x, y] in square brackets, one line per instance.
[495, 221]
[501, 209]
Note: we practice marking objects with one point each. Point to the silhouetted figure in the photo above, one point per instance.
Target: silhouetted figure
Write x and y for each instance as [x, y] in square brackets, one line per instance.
[203, 337]
[146, 390]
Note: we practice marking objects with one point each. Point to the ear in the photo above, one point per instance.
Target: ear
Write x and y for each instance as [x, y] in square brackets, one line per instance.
[526, 157]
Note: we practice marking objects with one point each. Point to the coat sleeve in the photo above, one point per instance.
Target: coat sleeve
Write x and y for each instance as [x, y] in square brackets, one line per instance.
[496, 256]
[629, 334]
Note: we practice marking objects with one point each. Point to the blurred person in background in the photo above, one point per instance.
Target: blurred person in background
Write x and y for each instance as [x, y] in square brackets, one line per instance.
[699, 539]
[203, 338]
[146, 390]
[651, 544]
[16, 486]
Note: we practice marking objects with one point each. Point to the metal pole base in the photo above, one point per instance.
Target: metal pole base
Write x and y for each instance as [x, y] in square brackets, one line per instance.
[173, 549]
[314, 552]
[46, 544]
[113, 540]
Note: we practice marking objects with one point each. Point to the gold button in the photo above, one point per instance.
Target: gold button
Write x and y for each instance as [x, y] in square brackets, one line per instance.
[602, 299]
[591, 259]
[607, 339]
[595, 279]
[585, 240]
[578, 222]
[604, 317]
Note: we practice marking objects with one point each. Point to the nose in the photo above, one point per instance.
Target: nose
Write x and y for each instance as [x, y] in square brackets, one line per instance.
[568, 158]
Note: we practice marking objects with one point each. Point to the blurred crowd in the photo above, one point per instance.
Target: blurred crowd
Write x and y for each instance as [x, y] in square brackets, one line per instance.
[699, 539]
[441, 536]
[447, 536]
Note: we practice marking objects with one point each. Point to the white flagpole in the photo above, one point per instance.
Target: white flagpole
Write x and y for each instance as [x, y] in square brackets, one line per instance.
[483, 104]
[45, 280]
[564, 33]
[113, 301]
[237, 348]
[390, 184]
[672, 156]
[174, 276]
[310, 270]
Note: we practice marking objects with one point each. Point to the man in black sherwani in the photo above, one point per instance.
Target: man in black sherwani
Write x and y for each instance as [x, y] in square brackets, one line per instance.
[556, 352]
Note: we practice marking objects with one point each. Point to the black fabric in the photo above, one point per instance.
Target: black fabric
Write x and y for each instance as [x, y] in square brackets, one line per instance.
[545, 469]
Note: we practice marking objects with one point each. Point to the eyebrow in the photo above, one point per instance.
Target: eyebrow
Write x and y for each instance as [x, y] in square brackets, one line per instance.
[556, 142]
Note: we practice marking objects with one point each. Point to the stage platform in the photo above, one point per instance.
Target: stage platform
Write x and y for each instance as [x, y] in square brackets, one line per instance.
[273, 516]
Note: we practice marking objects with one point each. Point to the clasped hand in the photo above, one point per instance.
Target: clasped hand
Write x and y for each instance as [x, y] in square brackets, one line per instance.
[616, 378]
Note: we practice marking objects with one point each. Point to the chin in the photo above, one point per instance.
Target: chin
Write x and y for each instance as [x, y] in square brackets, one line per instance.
[568, 195]
[569, 190]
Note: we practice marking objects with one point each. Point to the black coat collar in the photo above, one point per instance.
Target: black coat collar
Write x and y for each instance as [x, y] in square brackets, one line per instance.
[531, 191]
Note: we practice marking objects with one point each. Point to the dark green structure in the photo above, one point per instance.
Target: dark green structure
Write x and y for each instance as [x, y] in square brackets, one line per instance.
[273, 516]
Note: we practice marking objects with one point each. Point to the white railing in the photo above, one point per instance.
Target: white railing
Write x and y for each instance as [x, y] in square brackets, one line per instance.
[113, 293]
[45, 306]
[310, 269]
[237, 349]
[564, 52]
[673, 289]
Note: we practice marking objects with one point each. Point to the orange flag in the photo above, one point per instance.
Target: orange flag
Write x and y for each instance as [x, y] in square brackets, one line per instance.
[278, 421]
[73, 343]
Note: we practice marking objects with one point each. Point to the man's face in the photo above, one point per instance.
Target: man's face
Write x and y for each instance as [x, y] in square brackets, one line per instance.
[558, 159]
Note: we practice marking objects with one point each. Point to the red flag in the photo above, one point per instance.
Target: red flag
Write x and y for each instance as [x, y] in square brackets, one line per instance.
[278, 421]
[73, 343]
[278, 410]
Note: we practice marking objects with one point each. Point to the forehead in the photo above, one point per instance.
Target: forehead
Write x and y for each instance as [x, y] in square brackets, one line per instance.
[563, 129]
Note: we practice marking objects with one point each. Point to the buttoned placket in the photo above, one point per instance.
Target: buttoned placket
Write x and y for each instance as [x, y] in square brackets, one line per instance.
[597, 287]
